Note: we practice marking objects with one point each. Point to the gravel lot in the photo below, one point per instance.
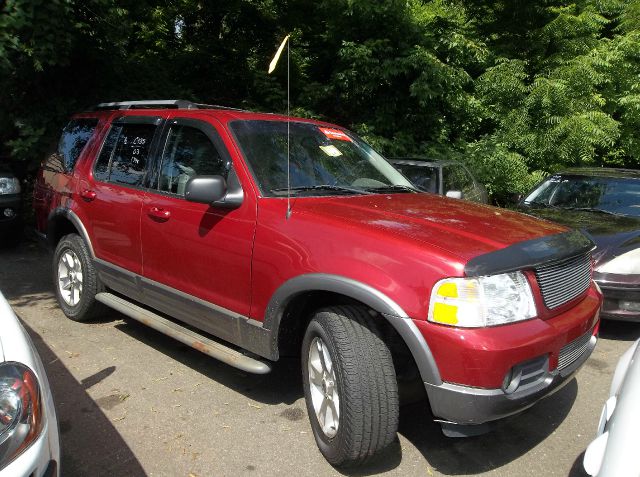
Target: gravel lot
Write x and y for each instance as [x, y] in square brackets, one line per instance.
[133, 402]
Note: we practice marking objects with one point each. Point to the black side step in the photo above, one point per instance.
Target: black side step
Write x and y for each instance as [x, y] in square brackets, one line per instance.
[212, 348]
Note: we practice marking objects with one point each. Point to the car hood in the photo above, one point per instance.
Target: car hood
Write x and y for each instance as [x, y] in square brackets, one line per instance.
[612, 234]
[461, 228]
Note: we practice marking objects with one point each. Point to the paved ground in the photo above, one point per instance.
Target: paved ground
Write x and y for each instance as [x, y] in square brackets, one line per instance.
[133, 402]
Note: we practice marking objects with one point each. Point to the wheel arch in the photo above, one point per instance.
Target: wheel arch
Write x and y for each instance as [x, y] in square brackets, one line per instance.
[291, 303]
[63, 221]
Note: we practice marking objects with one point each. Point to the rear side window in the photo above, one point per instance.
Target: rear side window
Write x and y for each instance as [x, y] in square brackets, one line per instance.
[188, 153]
[124, 154]
[74, 138]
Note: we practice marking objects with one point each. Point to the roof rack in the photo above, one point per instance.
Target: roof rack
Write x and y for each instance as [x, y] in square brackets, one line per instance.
[159, 104]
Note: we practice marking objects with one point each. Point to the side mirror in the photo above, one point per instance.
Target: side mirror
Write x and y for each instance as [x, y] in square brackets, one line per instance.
[454, 194]
[205, 189]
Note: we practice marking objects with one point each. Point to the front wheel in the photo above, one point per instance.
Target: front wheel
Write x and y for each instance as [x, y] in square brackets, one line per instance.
[349, 384]
[75, 279]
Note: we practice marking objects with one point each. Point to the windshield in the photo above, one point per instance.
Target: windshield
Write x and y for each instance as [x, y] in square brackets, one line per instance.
[613, 195]
[323, 161]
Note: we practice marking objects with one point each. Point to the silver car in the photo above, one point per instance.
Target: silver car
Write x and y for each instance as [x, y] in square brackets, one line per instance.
[29, 440]
[614, 452]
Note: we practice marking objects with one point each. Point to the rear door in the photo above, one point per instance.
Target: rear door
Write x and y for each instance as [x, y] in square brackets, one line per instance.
[113, 195]
[195, 252]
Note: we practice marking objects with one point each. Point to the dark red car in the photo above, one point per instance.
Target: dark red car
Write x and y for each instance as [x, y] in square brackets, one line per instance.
[191, 219]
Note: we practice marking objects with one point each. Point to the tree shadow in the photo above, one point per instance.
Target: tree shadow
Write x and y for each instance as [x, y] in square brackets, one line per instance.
[86, 431]
[577, 469]
[619, 330]
[90, 444]
[282, 385]
[508, 440]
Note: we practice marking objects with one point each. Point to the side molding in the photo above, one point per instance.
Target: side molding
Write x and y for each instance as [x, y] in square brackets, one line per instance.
[74, 219]
[363, 293]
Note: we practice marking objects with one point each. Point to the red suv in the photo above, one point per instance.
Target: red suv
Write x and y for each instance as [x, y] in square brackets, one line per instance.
[251, 236]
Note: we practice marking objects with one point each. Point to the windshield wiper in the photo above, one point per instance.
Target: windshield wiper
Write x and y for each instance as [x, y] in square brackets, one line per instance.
[591, 209]
[393, 187]
[322, 187]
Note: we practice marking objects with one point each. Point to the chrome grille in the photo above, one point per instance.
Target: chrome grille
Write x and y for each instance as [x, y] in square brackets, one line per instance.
[572, 351]
[562, 281]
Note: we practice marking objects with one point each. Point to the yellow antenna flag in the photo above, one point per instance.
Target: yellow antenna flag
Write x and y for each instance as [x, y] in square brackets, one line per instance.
[274, 62]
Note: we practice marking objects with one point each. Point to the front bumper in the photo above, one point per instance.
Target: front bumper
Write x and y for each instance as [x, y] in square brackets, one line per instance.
[621, 295]
[10, 224]
[468, 405]
[490, 373]
[620, 302]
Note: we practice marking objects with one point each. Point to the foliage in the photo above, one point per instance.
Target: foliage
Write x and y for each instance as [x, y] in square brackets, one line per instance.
[513, 87]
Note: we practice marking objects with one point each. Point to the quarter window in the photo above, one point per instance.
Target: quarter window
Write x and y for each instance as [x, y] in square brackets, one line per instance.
[125, 153]
[74, 138]
[188, 153]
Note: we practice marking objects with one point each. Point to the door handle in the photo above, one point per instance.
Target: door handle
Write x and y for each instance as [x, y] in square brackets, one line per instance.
[159, 214]
[88, 195]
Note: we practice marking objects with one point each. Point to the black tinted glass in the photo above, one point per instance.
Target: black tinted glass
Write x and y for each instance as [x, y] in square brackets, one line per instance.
[423, 177]
[188, 153]
[615, 195]
[74, 138]
[320, 158]
[124, 154]
[455, 177]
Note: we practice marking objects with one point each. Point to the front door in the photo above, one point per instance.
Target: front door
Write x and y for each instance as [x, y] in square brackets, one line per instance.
[196, 257]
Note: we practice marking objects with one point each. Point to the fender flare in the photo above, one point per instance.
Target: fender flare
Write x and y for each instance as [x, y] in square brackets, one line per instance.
[363, 293]
[71, 217]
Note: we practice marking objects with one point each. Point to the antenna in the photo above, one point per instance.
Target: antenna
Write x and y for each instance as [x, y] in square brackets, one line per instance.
[272, 66]
[288, 214]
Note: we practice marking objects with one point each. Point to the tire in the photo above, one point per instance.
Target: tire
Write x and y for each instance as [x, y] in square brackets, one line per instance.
[75, 280]
[359, 388]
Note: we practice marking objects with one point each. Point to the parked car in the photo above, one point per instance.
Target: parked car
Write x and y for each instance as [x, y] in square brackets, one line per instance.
[29, 442]
[10, 207]
[614, 452]
[450, 178]
[604, 203]
[196, 221]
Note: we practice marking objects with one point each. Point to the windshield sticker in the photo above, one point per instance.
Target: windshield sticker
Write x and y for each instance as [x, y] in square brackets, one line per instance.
[335, 134]
[331, 150]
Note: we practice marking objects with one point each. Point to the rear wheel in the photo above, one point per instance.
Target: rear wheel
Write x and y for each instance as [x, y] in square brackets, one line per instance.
[75, 279]
[350, 385]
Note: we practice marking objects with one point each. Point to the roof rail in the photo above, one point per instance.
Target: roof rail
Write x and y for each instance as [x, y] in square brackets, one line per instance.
[159, 104]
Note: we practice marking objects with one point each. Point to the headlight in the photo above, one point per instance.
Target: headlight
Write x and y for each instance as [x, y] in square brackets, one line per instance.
[625, 264]
[20, 410]
[9, 185]
[482, 301]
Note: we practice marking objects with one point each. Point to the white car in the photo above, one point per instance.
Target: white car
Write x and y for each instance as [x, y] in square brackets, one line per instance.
[29, 440]
[614, 452]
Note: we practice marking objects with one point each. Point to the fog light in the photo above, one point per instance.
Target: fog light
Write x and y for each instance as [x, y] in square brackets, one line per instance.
[512, 380]
[629, 305]
[9, 212]
[526, 375]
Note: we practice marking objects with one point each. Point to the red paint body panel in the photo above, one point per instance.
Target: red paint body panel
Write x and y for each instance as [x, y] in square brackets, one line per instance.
[398, 244]
[481, 357]
[199, 250]
[401, 244]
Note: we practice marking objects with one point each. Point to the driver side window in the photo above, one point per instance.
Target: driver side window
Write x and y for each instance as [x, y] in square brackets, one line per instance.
[456, 178]
[188, 152]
